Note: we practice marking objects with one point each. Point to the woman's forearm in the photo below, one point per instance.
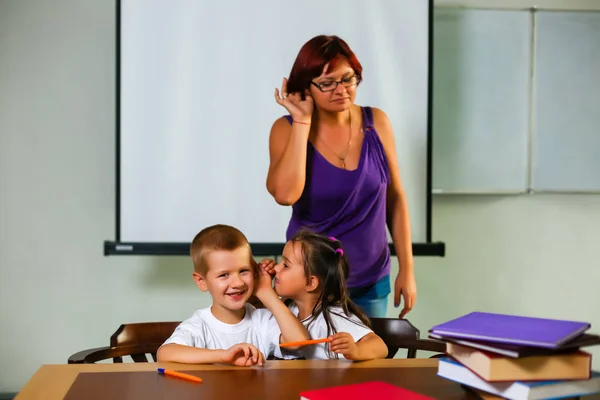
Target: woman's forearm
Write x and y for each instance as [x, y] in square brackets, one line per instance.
[399, 226]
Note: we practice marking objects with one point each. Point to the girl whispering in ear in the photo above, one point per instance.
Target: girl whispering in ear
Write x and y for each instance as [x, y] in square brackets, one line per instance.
[312, 277]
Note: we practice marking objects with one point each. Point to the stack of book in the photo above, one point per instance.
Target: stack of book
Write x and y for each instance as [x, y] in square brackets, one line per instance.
[518, 357]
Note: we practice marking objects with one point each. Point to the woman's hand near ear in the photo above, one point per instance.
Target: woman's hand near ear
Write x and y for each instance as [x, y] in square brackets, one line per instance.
[299, 106]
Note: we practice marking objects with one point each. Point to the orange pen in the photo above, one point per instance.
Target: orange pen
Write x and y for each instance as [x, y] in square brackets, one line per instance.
[181, 375]
[305, 342]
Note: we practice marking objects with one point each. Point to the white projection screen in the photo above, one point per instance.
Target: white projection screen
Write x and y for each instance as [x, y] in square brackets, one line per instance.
[195, 104]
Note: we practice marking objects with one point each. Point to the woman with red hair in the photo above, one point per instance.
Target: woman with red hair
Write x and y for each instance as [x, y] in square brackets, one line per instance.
[335, 163]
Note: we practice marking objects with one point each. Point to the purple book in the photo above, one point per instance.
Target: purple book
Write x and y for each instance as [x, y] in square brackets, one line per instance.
[512, 329]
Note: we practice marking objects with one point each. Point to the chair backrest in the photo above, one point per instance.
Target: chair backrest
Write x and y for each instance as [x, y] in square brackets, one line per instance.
[142, 334]
[401, 334]
[138, 339]
[134, 340]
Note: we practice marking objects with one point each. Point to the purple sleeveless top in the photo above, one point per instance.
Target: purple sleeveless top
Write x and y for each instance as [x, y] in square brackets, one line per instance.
[350, 205]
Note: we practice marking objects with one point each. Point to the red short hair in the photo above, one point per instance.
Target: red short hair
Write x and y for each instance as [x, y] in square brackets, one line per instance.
[314, 55]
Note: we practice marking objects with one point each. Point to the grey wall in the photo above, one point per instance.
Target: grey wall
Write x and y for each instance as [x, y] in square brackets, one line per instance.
[59, 294]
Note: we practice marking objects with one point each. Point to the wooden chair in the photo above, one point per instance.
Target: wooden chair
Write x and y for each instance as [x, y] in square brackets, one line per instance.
[138, 339]
[401, 334]
[134, 340]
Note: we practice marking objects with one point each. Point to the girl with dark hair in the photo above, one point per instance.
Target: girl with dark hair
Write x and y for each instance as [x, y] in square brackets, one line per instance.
[335, 163]
[312, 278]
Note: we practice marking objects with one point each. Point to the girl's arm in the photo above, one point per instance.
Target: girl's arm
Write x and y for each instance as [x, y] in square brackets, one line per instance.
[291, 328]
[369, 347]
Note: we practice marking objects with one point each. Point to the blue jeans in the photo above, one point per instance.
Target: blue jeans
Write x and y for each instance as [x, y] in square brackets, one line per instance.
[372, 299]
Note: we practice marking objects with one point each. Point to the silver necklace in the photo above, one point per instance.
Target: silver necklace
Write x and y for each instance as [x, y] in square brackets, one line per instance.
[342, 160]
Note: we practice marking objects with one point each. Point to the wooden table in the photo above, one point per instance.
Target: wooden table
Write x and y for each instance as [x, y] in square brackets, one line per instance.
[276, 380]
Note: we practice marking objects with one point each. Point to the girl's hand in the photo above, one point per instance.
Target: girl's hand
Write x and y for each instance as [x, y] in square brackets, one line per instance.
[300, 110]
[264, 281]
[343, 343]
[268, 265]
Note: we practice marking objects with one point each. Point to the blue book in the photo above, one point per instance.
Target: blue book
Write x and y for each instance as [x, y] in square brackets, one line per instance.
[517, 390]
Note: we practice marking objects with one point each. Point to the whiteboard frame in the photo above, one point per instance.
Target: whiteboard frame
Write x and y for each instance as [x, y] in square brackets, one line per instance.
[117, 247]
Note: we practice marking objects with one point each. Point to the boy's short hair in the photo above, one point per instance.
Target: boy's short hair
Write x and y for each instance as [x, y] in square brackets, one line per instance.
[216, 237]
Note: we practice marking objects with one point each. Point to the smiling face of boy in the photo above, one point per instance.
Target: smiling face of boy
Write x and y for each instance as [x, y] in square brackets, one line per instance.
[230, 281]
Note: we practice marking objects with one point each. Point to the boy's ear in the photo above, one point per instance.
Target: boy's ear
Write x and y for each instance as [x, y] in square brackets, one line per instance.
[254, 266]
[312, 284]
[200, 281]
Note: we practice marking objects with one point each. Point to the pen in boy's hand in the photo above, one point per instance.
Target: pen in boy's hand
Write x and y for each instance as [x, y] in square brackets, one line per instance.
[179, 375]
[305, 342]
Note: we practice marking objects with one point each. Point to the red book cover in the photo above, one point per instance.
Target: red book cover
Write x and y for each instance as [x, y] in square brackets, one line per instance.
[366, 390]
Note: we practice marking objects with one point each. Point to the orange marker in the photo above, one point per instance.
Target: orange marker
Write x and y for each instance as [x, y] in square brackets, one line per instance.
[305, 342]
[179, 375]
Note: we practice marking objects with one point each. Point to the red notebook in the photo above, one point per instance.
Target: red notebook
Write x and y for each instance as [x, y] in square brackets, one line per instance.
[366, 390]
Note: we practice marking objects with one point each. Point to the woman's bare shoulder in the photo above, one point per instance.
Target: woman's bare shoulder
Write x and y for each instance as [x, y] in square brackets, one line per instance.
[382, 123]
[281, 123]
[379, 116]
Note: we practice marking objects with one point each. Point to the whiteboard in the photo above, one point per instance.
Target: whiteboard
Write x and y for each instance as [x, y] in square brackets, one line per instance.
[566, 138]
[482, 61]
[196, 106]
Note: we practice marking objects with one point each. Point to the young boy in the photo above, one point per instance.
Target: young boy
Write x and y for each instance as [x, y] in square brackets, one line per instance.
[231, 330]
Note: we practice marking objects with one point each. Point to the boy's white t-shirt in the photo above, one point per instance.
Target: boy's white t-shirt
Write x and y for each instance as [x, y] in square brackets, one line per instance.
[317, 329]
[259, 327]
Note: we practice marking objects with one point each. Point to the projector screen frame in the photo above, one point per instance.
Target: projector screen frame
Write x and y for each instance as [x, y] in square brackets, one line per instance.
[117, 247]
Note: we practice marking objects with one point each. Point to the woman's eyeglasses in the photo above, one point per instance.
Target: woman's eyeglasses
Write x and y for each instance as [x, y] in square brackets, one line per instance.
[330, 86]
